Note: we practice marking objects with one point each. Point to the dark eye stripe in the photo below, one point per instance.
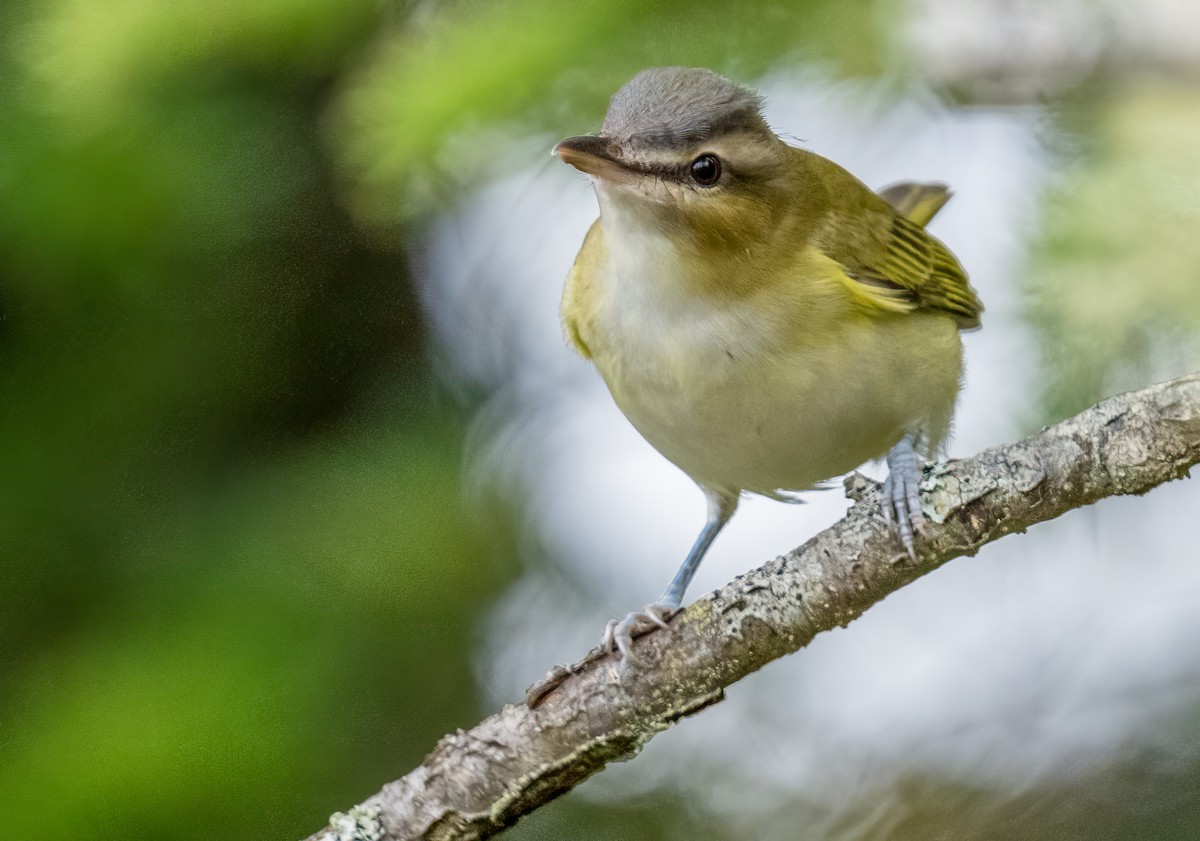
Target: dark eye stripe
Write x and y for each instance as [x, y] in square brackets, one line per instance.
[681, 173]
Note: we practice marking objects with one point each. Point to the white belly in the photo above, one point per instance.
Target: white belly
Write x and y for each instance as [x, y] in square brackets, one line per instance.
[739, 407]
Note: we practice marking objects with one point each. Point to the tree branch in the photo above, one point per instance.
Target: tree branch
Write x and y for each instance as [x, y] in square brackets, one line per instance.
[579, 718]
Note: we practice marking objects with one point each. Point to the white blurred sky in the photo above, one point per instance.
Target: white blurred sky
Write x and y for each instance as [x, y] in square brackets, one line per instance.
[1029, 49]
[1043, 655]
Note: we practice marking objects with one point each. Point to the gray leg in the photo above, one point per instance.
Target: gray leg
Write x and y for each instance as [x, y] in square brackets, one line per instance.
[618, 635]
[901, 500]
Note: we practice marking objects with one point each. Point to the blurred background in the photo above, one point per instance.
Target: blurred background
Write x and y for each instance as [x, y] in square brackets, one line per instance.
[299, 474]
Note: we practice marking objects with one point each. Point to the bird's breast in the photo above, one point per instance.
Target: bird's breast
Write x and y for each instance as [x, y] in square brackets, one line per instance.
[732, 392]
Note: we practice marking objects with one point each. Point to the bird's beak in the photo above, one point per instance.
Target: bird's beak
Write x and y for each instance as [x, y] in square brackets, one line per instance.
[598, 156]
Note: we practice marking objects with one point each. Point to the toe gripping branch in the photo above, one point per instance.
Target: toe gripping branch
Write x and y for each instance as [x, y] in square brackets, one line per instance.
[619, 634]
[901, 496]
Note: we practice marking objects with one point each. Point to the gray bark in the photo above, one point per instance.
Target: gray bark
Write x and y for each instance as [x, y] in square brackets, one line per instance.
[582, 717]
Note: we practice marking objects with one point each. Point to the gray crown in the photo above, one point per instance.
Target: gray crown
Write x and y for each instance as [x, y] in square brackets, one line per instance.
[678, 107]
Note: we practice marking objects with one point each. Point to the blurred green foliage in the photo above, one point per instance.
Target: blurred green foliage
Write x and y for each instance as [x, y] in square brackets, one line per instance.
[1114, 289]
[238, 584]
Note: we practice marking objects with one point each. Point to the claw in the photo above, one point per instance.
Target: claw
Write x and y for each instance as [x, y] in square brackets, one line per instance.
[619, 634]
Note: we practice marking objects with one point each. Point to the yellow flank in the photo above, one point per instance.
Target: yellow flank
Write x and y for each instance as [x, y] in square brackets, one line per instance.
[578, 287]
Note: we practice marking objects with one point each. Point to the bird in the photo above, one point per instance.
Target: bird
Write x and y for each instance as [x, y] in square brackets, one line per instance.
[763, 318]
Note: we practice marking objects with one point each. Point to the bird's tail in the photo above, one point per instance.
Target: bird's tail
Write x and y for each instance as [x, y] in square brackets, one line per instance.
[917, 202]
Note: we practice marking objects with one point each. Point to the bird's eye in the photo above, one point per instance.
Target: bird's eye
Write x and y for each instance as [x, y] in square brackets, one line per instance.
[706, 170]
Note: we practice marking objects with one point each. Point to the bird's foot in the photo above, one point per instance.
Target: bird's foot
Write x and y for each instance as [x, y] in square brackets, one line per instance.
[901, 497]
[619, 633]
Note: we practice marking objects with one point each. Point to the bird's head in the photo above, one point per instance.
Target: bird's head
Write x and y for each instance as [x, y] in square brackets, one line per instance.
[687, 151]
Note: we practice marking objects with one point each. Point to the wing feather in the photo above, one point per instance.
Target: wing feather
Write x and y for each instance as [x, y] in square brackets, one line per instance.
[895, 265]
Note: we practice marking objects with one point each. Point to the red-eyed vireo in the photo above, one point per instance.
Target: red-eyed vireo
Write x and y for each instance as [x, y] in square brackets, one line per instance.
[762, 317]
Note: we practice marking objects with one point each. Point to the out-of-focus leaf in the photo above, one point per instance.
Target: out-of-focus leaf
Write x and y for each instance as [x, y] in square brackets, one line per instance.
[1115, 281]
[91, 64]
[338, 581]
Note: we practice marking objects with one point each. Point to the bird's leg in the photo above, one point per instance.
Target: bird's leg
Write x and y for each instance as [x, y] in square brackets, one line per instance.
[618, 634]
[901, 500]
